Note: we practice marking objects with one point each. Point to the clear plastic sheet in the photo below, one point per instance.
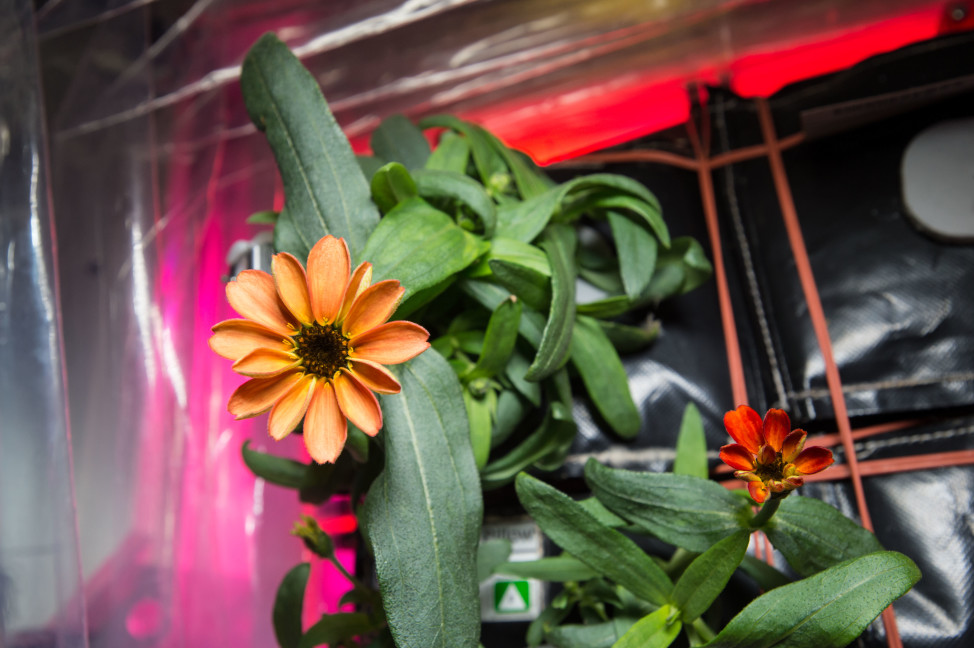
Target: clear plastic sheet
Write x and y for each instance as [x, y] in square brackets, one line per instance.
[155, 166]
[41, 600]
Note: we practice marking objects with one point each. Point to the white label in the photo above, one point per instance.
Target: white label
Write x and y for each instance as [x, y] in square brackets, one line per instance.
[509, 598]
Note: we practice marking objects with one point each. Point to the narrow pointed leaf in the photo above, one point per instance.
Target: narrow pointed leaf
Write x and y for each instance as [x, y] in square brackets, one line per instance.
[629, 339]
[530, 286]
[685, 511]
[398, 140]
[488, 161]
[276, 470]
[827, 610]
[679, 270]
[602, 548]
[637, 248]
[652, 631]
[325, 191]
[559, 244]
[691, 445]
[478, 414]
[556, 569]
[813, 535]
[452, 153]
[605, 379]
[557, 430]
[490, 554]
[498, 341]
[707, 575]
[423, 513]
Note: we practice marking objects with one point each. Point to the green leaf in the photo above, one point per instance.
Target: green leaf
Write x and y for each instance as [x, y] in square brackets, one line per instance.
[827, 610]
[455, 187]
[498, 342]
[276, 470]
[333, 628]
[520, 253]
[556, 569]
[523, 221]
[398, 140]
[517, 367]
[528, 178]
[650, 213]
[685, 511]
[559, 244]
[637, 249]
[602, 514]
[478, 413]
[510, 410]
[599, 635]
[705, 578]
[679, 270]
[557, 430]
[392, 185]
[813, 535]
[600, 547]
[415, 225]
[490, 554]
[267, 217]
[606, 307]
[422, 514]
[452, 153]
[691, 445]
[597, 362]
[488, 161]
[655, 630]
[288, 605]
[530, 286]
[369, 165]
[766, 576]
[549, 617]
[629, 339]
[325, 191]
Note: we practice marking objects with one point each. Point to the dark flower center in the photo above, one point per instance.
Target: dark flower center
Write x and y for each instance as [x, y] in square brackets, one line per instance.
[322, 348]
[772, 471]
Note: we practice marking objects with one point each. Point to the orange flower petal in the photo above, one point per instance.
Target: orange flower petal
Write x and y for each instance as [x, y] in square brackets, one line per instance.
[766, 455]
[737, 456]
[777, 426]
[375, 376]
[744, 425]
[325, 429]
[793, 444]
[264, 363]
[360, 280]
[328, 266]
[252, 294]
[390, 343]
[758, 491]
[373, 307]
[812, 460]
[288, 411]
[292, 286]
[358, 403]
[258, 394]
[235, 338]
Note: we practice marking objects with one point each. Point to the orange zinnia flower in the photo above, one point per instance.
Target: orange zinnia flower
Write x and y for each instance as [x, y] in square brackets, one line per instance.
[769, 455]
[314, 345]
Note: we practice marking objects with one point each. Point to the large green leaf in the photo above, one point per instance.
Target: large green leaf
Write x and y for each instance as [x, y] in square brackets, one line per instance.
[629, 339]
[490, 164]
[530, 286]
[679, 269]
[325, 191]
[558, 243]
[498, 341]
[597, 362]
[682, 510]
[288, 605]
[446, 186]
[600, 547]
[596, 635]
[276, 470]
[398, 140]
[827, 610]
[415, 225]
[813, 535]
[705, 578]
[391, 185]
[451, 154]
[422, 514]
[636, 247]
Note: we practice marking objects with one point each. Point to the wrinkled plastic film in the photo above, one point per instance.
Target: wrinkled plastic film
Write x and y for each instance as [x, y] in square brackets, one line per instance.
[41, 601]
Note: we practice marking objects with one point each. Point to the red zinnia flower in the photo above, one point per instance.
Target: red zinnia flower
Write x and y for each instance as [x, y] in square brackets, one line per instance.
[769, 455]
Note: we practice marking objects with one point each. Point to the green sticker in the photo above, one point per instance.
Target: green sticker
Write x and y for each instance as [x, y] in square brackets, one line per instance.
[511, 596]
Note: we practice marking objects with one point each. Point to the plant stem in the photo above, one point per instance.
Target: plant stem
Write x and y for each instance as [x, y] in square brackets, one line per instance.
[703, 630]
[765, 513]
[349, 577]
